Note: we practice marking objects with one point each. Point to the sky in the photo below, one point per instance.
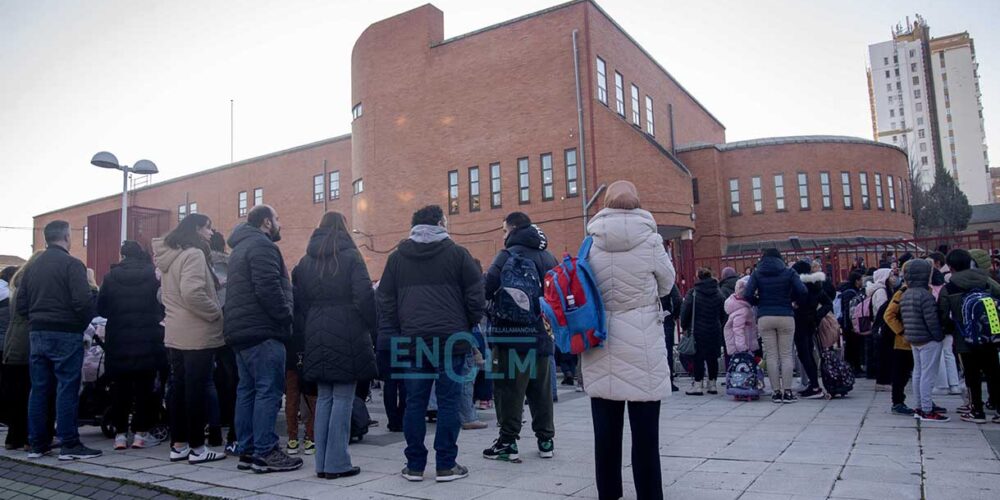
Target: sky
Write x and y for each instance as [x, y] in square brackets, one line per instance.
[154, 79]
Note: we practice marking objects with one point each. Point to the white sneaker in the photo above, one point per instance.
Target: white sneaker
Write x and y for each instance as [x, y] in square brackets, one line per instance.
[176, 455]
[144, 440]
[121, 441]
[206, 455]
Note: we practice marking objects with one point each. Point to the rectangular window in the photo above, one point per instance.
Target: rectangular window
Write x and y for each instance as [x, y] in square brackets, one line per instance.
[495, 197]
[358, 186]
[258, 196]
[916, 80]
[845, 185]
[887, 74]
[86, 236]
[824, 187]
[356, 111]
[892, 114]
[923, 147]
[453, 192]
[923, 160]
[888, 87]
[779, 192]
[619, 94]
[920, 133]
[523, 181]
[913, 66]
[892, 193]
[803, 191]
[193, 208]
[899, 86]
[694, 191]
[879, 203]
[758, 195]
[916, 93]
[635, 105]
[920, 120]
[335, 185]
[474, 189]
[572, 188]
[649, 116]
[241, 204]
[885, 60]
[734, 196]
[866, 202]
[181, 212]
[902, 195]
[911, 55]
[548, 191]
[318, 188]
[602, 81]
[919, 106]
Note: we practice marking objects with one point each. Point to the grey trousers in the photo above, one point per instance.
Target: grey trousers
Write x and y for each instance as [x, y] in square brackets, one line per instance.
[778, 334]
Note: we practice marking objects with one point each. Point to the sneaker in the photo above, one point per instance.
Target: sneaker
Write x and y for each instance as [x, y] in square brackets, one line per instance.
[812, 393]
[995, 419]
[501, 451]
[568, 381]
[179, 454]
[276, 461]
[697, 389]
[245, 463]
[232, 448]
[38, 452]
[293, 447]
[955, 390]
[974, 417]
[476, 425]
[777, 398]
[432, 416]
[78, 452]
[413, 475]
[938, 409]
[144, 440]
[309, 447]
[711, 387]
[353, 471]
[456, 472]
[966, 408]
[483, 405]
[578, 388]
[121, 441]
[902, 409]
[546, 448]
[930, 416]
[674, 388]
[206, 455]
[789, 397]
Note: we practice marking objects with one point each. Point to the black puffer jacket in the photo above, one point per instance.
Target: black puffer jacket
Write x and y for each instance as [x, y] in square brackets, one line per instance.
[530, 243]
[704, 312]
[55, 295]
[812, 306]
[773, 287]
[258, 292]
[133, 335]
[334, 310]
[430, 291]
[671, 305]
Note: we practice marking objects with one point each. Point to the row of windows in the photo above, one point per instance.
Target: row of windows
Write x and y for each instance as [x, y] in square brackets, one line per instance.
[523, 182]
[826, 193]
[602, 95]
[333, 186]
[241, 200]
[184, 210]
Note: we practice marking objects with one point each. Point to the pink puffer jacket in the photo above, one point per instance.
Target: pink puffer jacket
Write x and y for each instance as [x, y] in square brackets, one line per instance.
[741, 329]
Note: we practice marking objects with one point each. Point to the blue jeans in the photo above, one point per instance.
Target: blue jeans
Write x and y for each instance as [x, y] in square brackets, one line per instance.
[258, 396]
[466, 411]
[448, 388]
[333, 427]
[56, 360]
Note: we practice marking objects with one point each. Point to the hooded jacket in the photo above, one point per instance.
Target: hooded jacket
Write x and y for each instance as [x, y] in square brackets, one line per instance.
[847, 292]
[16, 344]
[894, 319]
[703, 313]
[528, 242]
[133, 335]
[193, 315]
[671, 305]
[334, 310]
[920, 316]
[728, 285]
[950, 301]
[773, 287]
[741, 327]
[633, 271]
[877, 289]
[258, 291]
[812, 306]
[55, 294]
[431, 289]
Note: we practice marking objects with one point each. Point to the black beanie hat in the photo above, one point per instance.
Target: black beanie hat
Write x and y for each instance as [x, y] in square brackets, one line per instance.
[772, 252]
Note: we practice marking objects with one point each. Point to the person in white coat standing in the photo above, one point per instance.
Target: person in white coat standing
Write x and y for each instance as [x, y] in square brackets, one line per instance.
[631, 369]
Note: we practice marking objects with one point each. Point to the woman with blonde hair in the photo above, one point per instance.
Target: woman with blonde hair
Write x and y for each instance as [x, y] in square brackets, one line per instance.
[16, 381]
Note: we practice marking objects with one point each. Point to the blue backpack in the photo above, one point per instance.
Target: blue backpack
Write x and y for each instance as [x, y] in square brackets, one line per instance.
[520, 289]
[980, 318]
[572, 305]
[744, 377]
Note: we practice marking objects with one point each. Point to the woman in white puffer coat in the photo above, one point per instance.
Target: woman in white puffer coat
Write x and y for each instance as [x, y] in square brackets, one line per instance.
[633, 271]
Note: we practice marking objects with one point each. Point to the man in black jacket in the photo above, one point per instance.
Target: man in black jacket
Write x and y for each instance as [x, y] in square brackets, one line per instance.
[429, 297]
[58, 300]
[521, 350]
[258, 314]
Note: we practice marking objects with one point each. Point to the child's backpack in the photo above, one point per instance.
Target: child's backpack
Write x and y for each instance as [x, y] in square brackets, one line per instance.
[828, 331]
[572, 305]
[520, 289]
[980, 318]
[862, 316]
[838, 377]
[744, 378]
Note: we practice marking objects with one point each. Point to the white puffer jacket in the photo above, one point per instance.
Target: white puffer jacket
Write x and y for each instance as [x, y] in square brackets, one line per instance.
[633, 271]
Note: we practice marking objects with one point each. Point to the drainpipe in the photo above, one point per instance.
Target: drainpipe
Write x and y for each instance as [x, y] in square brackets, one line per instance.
[582, 157]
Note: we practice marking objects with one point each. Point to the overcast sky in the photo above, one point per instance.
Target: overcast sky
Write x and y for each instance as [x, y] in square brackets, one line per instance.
[147, 79]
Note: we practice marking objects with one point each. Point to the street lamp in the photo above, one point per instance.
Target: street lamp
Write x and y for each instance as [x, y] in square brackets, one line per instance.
[105, 159]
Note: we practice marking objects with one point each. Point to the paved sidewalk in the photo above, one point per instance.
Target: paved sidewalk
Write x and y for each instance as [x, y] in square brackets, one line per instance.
[711, 447]
[19, 480]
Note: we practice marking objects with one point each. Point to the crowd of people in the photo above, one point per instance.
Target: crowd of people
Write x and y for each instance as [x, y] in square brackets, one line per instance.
[226, 338]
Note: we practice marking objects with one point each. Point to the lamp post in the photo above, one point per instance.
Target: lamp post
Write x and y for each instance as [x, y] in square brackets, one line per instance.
[105, 159]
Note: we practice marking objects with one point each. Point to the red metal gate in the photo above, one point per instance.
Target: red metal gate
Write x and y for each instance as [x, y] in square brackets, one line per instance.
[104, 235]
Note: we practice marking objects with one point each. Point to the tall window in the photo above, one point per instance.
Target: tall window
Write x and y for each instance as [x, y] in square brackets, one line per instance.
[258, 196]
[879, 203]
[86, 236]
[358, 186]
[694, 191]
[357, 111]
[193, 208]
[523, 181]
[734, 196]
[182, 211]
[548, 192]
[453, 192]
[619, 94]
[602, 81]
[845, 185]
[866, 202]
[902, 195]
[335, 185]
[241, 204]
[824, 187]
[758, 195]
[803, 191]
[473, 189]
[649, 116]
[779, 192]
[318, 188]
[892, 193]
[635, 105]
[572, 189]
[495, 185]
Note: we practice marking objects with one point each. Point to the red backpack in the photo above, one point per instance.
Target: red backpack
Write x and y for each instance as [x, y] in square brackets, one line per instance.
[572, 305]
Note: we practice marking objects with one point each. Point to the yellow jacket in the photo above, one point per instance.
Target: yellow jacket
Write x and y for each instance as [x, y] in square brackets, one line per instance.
[894, 320]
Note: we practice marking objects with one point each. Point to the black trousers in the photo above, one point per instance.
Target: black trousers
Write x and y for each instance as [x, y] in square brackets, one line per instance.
[14, 394]
[189, 375]
[705, 354]
[982, 358]
[902, 368]
[227, 377]
[885, 346]
[133, 393]
[854, 347]
[609, 421]
[804, 346]
[393, 390]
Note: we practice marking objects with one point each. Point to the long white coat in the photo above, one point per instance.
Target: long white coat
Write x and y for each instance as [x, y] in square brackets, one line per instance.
[633, 271]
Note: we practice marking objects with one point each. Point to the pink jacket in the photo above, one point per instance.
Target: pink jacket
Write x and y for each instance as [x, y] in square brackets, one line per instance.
[741, 328]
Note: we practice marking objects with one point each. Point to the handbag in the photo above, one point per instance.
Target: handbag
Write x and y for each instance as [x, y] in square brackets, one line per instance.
[686, 346]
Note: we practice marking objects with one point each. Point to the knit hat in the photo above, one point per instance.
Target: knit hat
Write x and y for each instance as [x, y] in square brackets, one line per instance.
[981, 258]
[132, 249]
[802, 267]
[772, 252]
[622, 195]
[728, 272]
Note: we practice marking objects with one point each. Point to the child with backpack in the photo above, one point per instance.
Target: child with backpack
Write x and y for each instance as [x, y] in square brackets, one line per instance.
[923, 331]
[744, 378]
